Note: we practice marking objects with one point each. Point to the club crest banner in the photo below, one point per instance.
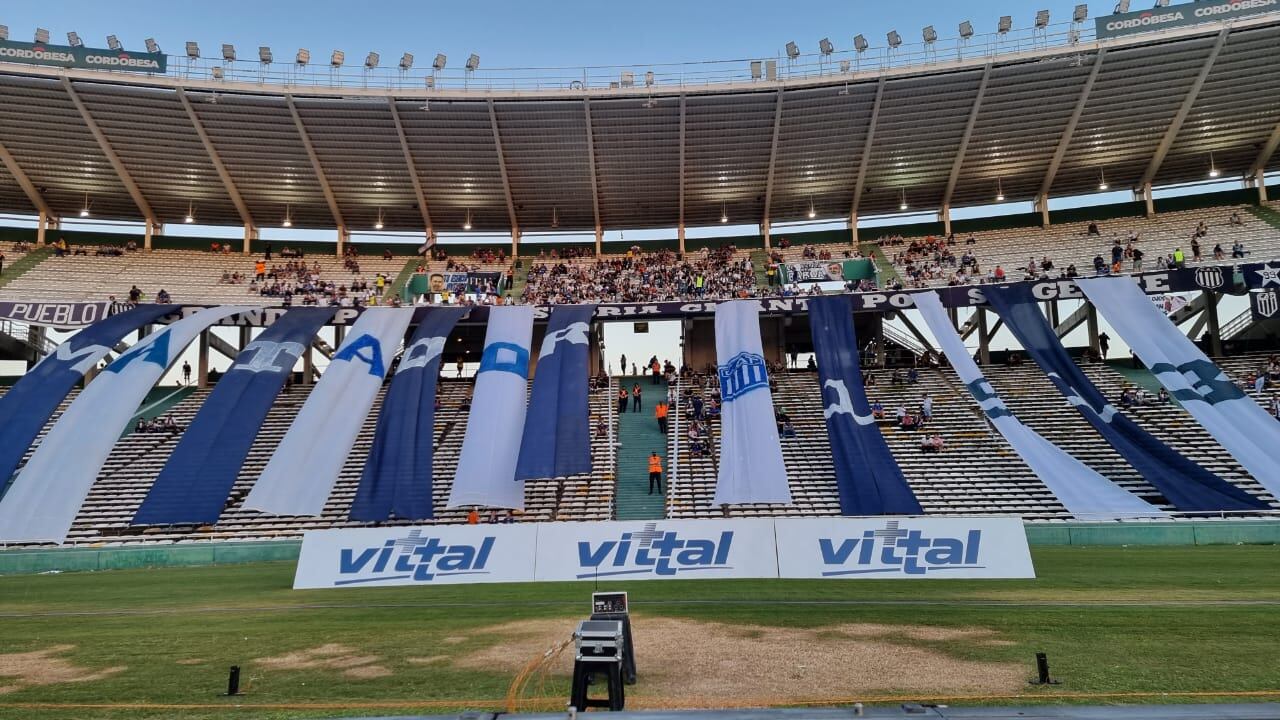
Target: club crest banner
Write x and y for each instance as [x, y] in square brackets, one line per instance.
[751, 466]
[301, 473]
[486, 474]
[397, 475]
[1231, 417]
[557, 432]
[868, 479]
[43, 501]
[1186, 484]
[195, 482]
[1082, 491]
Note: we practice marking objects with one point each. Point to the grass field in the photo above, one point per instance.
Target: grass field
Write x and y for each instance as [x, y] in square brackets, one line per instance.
[1118, 624]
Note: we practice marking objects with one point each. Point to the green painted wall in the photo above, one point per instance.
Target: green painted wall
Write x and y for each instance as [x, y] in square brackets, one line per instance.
[25, 562]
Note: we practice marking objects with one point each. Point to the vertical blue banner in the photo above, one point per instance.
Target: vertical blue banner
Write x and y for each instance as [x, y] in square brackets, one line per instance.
[1184, 483]
[868, 479]
[557, 433]
[397, 473]
[195, 482]
[33, 399]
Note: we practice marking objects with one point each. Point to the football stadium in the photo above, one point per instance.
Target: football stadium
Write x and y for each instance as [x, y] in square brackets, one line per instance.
[895, 374]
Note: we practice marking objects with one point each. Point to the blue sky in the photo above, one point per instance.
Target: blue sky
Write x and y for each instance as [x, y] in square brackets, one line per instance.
[515, 34]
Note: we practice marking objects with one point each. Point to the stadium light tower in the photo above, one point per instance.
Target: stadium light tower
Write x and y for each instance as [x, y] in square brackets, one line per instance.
[337, 58]
[1080, 14]
[113, 42]
[793, 50]
[228, 52]
[1121, 7]
[264, 54]
[371, 60]
[4, 32]
[439, 63]
[860, 43]
[193, 50]
[1005, 24]
[473, 62]
[303, 57]
[42, 36]
[1042, 19]
[1162, 3]
[895, 40]
[152, 46]
[966, 30]
[930, 35]
[406, 62]
[825, 47]
[73, 39]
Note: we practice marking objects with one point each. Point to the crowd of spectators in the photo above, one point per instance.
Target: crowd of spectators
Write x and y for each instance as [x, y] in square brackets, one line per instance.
[296, 282]
[643, 277]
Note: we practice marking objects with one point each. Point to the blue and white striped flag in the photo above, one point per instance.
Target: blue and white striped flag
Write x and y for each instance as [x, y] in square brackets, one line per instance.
[302, 472]
[557, 432]
[751, 467]
[486, 472]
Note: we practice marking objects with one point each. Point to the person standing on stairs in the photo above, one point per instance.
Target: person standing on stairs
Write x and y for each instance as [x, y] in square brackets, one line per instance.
[660, 412]
[635, 398]
[622, 400]
[655, 472]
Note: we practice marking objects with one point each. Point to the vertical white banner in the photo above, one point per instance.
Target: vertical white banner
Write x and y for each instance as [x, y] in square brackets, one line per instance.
[304, 468]
[1231, 417]
[751, 466]
[1082, 491]
[43, 501]
[491, 446]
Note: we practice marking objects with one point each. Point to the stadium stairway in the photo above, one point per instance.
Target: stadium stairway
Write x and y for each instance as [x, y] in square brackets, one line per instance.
[637, 437]
[885, 271]
[14, 270]
[402, 279]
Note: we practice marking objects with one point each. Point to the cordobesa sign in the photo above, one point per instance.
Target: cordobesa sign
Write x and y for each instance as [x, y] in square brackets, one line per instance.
[1174, 16]
[82, 58]
[1219, 278]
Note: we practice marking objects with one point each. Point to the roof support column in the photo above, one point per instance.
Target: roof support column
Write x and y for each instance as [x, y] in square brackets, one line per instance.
[853, 230]
[212, 152]
[591, 162]
[319, 171]
[506, 182]
[1143, 195]
[1175, 126]
[680, 224]
[47, 222]
[116, 164]
[343, 238]
[1258, 170]
[944, 214]
[413, 170]
[599, 241]
[861, 180]
[764, 232]
[773, 159]
[28, 188]
[1067, 134]
[964, 146]
[250, 234]
[146, 236]
[515, 244]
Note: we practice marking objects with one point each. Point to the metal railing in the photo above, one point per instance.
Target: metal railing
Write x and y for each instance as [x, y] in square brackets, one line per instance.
[1237, 324]
[635, 77]
[24, 333]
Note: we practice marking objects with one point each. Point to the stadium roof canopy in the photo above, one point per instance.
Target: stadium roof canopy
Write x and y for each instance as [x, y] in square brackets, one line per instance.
[1053, 120]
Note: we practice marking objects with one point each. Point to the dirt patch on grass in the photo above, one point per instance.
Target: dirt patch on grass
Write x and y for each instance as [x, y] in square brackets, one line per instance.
[43, 667]
[429, 660]
[679, 658]
[454, 640]
[191, 661]
[332, 656]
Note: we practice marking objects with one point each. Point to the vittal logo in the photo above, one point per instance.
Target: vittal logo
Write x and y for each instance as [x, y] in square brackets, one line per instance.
[654, 552]
[893, 549]
[414, 556]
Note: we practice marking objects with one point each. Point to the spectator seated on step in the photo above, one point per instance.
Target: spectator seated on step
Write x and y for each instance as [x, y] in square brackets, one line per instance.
[713, 407]
[932, 443]
[788, 431]
[1162, 398]
[877, 410]
[909, 421]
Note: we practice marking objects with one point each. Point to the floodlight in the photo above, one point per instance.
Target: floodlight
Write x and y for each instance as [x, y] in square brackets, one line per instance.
[966, 29]
[929, 34]
[264, 54]
[895, 40]
[825, 46]
[473, 62]
[406, 61]
[152, 46]
[4, 32]
[74, 40]
[1005, 24]
[1080, 14]
[42, 36]
[113, 42]
[648, 78]
[193, 50]
[371, 60]
[757, 69]
[1122, 7]
[304, 57]
[439, 62]
[627, 78]
[337, 58]
[1042, 19]
[793, 50]
[1162, 3]
[228, 52]
[860, 43]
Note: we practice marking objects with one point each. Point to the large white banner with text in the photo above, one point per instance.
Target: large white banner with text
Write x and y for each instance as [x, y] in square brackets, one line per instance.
[849, 548]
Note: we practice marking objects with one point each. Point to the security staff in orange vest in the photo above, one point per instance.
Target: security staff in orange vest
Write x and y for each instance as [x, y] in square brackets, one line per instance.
[655, 472]
[660, 412]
